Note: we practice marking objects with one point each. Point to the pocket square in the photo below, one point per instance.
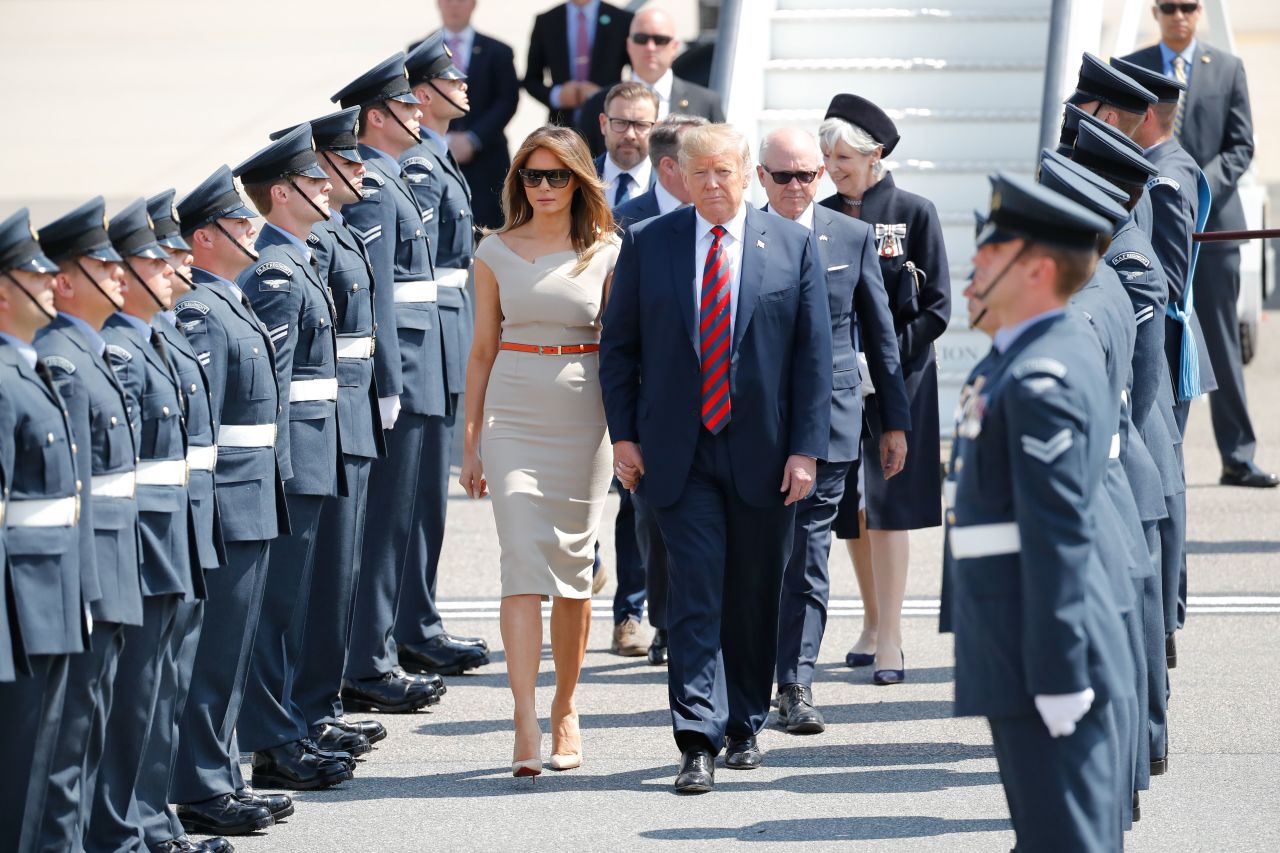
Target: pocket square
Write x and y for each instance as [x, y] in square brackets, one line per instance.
[837, 267]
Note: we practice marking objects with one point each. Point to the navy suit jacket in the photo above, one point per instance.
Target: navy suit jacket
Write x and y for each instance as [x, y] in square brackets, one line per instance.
[686, 99]
[549, 54]
[780, 362]
[636, 209]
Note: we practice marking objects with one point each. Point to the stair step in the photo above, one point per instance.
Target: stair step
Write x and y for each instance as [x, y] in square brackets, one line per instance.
[897, 83]
[888, 6]
[1011, 34]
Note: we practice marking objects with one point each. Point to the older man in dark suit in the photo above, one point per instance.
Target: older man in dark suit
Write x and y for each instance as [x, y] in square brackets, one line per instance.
[1215, 126]
[580, 46]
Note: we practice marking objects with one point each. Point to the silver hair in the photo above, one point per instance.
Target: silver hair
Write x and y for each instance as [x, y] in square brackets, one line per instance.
[836, 130]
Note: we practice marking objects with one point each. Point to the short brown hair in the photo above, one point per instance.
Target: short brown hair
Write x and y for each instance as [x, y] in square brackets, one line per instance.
[630, 90]
[260, 195]
[1074, 266]
[664, 139]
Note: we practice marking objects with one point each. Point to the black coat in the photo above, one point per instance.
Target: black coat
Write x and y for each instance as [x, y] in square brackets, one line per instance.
[686, 98]
[494, 90]
[549, 54]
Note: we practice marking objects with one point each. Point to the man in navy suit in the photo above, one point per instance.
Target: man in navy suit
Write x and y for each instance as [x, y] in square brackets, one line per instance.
[630, 112]
[723, 311]
[581, 46]
[667, 192]
[789, 170]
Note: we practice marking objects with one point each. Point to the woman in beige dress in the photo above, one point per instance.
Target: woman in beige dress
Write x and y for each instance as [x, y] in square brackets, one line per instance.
[535, 424]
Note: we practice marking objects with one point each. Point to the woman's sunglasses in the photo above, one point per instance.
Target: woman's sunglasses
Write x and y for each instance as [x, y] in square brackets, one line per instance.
[557, 179]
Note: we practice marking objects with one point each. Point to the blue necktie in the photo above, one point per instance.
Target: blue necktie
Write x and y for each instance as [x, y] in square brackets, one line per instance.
[624, 186]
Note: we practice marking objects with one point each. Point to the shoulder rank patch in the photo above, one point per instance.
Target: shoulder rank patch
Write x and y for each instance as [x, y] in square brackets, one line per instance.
[1131, 256]
[119, 352]
[57, 362]
[373, 178]
[1032, 366]
[283, 269]
[191, 305]
[1143, 314]
[418, 161]
[1162, 181]
[1050, 448]
[313, 239]
[269, 285]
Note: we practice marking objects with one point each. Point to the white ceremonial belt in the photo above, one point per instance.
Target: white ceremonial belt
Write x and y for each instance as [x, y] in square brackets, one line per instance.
[1114, 453]
[202, 458]
[449, 277]
[985, 540]
[311, 390]
[162, 472]
[44, 512]
[949, 494]
[414, 291]
[355, 348]
[246, 435]
[122, 485]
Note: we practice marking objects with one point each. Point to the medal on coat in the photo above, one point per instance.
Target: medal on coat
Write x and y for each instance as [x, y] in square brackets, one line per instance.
[970, 409]
[891, 240]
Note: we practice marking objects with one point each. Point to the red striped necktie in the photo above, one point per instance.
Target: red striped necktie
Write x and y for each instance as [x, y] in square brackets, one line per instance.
[714, 336]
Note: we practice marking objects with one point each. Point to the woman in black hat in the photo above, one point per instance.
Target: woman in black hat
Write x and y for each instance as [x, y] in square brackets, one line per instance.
[855, 136]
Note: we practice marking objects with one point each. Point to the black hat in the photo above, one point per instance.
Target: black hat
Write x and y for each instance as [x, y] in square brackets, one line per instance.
[132, 233]
[1111, 154]
[1022, 210]
[866, 115]
[336, 132]
[1100, 82]
[1071, 117]
[20, 246]
[1083, 187]
[386, 81]
[216, 198]
[1166, 89]
[82, 232]
[165, 221]
[431, 59]
[291, 154]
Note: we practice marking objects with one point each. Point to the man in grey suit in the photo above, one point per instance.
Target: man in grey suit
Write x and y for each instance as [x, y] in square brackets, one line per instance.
[1215, 126]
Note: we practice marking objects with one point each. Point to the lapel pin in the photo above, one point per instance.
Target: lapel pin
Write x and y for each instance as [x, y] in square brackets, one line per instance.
[759, 244]
[1206, 59]
[605, 19]
[684, 102]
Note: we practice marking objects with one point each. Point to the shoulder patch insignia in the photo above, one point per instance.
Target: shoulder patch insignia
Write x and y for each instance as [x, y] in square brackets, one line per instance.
[1131, 256]
[313, 239]
[57, 362]
[192, 325]
[1050, 448]
[283, 269]
[119, 352]
[268, 285]
[418, 161]
[1162, 181]
[191, 305]
[373, 178]
[1032, 366]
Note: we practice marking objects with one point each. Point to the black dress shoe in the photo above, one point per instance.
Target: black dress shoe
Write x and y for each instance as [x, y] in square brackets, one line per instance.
[853, 660]
[1159, 766]
[213, 845]
[223, 815]
[443, 656]
[1137, 808]
[293, 767]
[697, 773]
[883, 677]
[1171, 651]
[742, 753]
[478, 642]
[335, 739]
[1248, 474]
[659, 654]
[344, 758]
[796, 712]
[388, 694]
[280, 805]
[371, 729]
[425, 679]
[174, 845]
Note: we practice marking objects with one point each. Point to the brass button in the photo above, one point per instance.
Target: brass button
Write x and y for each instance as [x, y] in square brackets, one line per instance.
[417, 233]
[355, 286]
[951, 518]
[164, 410]
[113, 420]
[51, 438]
[193, 387]
[255, 350]
[73, 447]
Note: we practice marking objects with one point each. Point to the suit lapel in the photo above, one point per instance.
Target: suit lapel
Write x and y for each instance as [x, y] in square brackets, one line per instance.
[822, 218]
[560, 49]
[603, 30]
[751, 275]
[1200, 71]
[682, 248]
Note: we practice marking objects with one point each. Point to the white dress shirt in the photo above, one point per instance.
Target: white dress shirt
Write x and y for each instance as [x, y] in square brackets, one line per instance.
[640, 175]
[731, 245]
[666, 201]
[465, 40]
[662, 89]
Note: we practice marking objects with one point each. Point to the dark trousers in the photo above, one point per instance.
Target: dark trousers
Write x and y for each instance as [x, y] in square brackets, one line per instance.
[1217, 286]
[159, 822]
[115, 821]
[208, 763]
[629, 595]
[1173, 539]
[653, 557]
[266, 716]
[1062, 792]
[393, 485]
[417, 618]
[316, 689]
[81, 734]
[30, 708]
[1156, 670]
[802, 614]
[726, 564]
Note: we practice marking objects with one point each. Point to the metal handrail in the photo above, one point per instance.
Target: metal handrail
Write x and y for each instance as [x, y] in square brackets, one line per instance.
[726, 38]
[1055, 71]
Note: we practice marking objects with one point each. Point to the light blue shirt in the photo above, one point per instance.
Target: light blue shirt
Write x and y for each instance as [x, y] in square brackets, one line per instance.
[1167, 55]
[26, 350]
[395, 164]
[168, 315]
[429, 135]
[592, 12]
[230, 285]
[90, 333]
[301, 244]
[1005, 338]
[143, 327]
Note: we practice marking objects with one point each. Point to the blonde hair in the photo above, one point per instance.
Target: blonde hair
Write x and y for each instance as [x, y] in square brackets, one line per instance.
[712, 139]
[591, 217]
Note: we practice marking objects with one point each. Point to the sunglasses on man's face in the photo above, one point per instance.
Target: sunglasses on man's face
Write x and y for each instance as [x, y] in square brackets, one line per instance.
[645, 38]
[782, 178]
[1184, 8]
[557, 179]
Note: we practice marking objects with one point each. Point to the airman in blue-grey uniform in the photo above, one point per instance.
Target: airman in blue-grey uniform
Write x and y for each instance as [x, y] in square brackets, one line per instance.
[161, 829]
[343, 264]
[410, 371]
[1039, 644]
[87, 290]
[235, 352]
[41, 537]
[436, 179]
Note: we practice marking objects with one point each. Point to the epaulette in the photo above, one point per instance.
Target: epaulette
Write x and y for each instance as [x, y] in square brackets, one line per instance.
[57, 362]
[1131, 256]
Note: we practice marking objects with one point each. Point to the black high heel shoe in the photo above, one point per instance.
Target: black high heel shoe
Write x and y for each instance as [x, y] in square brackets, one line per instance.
[853, 660]
[882, 677]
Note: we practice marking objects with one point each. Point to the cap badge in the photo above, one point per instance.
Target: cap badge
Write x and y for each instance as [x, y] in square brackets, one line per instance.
[173, 214]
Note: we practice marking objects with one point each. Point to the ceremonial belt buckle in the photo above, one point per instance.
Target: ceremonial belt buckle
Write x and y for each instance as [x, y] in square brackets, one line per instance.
[984, 540]
[202, 458]
[121, 485]
[355, 349]
[246, 435]
[163, 472]
[424, 290]
[313, 390]
[44, 512]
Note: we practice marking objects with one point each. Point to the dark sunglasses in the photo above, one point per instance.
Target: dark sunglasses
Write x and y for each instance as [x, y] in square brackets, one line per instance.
[557, 179]
[782, 178]
[1184, 8]
[645, 38]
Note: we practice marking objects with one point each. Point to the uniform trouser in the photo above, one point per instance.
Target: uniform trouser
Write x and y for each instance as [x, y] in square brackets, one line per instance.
[1130, 711]
[159, 822]
[30, 708]
[1173, 539]
[417, 618]
[629, 595]
[1156, 672]
[266, 716]
[393, 484]
[115, 821]
[81, 735]
[1217, 285]
[1181, 411]
[726, 563]
[208, 763]
[317, 687]
[802, 614]
[1061, 791]
[653, 556]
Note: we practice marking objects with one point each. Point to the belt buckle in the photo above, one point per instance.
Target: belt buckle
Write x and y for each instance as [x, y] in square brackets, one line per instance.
[551, 350]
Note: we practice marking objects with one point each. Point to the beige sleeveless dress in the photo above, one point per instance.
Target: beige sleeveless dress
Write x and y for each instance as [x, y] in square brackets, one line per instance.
[544, 444]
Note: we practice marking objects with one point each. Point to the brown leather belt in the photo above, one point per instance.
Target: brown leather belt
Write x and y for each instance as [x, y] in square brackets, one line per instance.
[567, 349]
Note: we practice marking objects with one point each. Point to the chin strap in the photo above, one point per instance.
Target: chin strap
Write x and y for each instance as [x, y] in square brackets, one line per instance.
[355, 193]
[145, 286]
[191, 284]
[96, 286]
[252, 256]
[415, 137]
[324, 217]
[464, 110]
[36, 302]
[982, 297]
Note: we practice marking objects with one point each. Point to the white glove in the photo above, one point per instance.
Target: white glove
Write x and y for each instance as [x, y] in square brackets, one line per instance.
[1062, 711]
[389, 410]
